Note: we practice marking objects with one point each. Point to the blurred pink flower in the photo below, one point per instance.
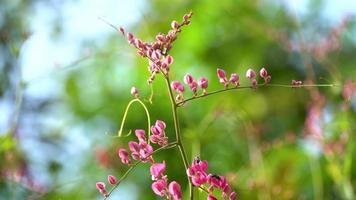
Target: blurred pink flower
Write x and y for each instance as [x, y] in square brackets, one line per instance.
[112, 179]
[134, 92]
[157, 170]
[159, 187]
[234, 79]
[250, 74]
[175, 191]
[140, 134]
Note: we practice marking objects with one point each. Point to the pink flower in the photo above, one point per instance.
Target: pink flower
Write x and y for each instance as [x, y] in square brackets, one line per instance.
[250, 74]
[156, 55]
[175, 25]
[122, 30]
[234, 79]
[140, 134]
[135, 150]
[145, 152]
[197, 172]
[157, 170]
[214, 181]
[141, 151]
[168, 61]
[100, 185]
[130, 38]
[188, 79]
[233, 196]
[220, 182]
[112, 179]
[124, 156]
[175, 191]
[263, 73]
[159, 187]
[158, 135]
[194, 87]
[199, 178]
[161, 124]
[203, 82]
[134, 92]
[254, 83]
[222, 77]
[161, 38]
[177, 86]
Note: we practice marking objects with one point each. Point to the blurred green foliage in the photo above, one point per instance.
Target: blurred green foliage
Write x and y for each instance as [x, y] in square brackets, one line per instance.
[256, 138]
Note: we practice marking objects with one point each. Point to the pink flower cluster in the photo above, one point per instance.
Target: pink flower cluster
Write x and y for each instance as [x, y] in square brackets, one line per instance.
[158, 135]
[160, 185]
[202, 82]
[188, 79]
[198, 174]
[235, 79]
[142, 151]
[157, 51]
[101, 185]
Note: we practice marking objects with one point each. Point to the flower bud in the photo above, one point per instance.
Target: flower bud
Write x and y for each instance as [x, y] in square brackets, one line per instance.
[254, 83]
[221, 74]
[194, 87]
[233, 196]
[160, 124]
[177, 86]
[186, 18]
[122, 30]
[203, 82]
[159, 187]
[112, 179]
[140, 134]
[168, 60]
[263, 73]
[130, 38]
[134, 92]
[250, 74]
[175, 25]
[188, 79]
[157, 170]
[161, 38]
[100, 186]
[124, 156]
[175, 190]
[156, 55]
[234, 79]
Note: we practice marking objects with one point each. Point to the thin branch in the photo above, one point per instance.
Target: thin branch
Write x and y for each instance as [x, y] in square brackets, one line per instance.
[178, 134]
[170, 145]
[179, 104]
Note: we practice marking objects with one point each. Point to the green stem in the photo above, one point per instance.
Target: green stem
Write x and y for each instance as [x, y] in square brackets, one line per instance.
[249, 87]
[119, 133]
[178, 134]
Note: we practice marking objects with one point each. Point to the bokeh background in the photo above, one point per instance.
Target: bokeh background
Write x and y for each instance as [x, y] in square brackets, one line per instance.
[66, 75]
